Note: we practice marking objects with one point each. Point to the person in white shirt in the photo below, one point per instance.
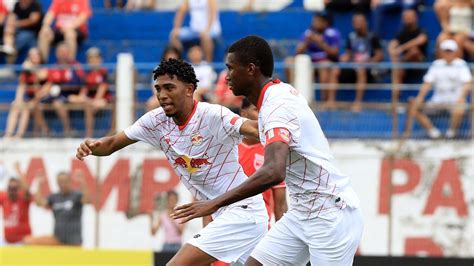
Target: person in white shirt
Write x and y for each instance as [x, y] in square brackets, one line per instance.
[323, 224]
[200, 142]
[204, 73]
[204, 25]
[451, 78]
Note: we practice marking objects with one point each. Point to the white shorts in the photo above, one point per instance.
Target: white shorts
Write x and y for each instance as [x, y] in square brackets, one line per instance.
[332, 240]
[233, 235]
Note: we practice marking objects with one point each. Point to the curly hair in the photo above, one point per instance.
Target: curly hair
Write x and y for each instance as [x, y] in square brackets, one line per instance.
[183, 71]
[254, 49]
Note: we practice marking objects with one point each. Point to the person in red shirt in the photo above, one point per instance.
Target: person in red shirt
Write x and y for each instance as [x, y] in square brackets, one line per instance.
[16, 204]
[251, 155]
[3, 19]
[70, 17]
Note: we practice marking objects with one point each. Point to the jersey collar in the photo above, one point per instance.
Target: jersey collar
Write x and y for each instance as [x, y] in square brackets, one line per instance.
[262, 93]
[181, 127]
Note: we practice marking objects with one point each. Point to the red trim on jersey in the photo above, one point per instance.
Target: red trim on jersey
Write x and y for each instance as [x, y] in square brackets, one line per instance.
[233, 120]
[181, 127]
[262, 93]
[277, 134]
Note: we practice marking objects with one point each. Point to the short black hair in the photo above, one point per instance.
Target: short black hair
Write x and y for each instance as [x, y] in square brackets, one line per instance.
[324, 15]
[254, 49]
[172, 49]
[176, 67]
[245, 103]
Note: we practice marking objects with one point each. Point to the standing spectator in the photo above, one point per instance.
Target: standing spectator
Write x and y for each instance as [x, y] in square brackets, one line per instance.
[451, 79]
[22, 28]
[16, 205]
[172, 229]
[362, 47]
[251, 157]
[27, 97]
[204, 73]
[67, 210]
[169, 52]
[321, 41]
[204, 25]
[64, 83]
[409, 46]
[94, 95]
[70, 18]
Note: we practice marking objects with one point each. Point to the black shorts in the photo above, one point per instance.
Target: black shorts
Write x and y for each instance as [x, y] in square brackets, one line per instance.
[59, 36]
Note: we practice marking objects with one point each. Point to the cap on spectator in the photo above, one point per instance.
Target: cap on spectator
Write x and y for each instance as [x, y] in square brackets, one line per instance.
[448, 45]
[93, 51]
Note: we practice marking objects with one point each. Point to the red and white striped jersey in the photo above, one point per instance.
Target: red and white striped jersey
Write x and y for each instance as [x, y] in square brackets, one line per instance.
[314, 183]
[203, 151]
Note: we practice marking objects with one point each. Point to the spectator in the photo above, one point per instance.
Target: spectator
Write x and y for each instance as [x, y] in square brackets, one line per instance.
[451, 79]
[3, 18]
[140, 4]
[169, 52]
[171, 228]
[115, 3]
[94, 95]
[16, 204]
[204, 73]
[362, 47]
[22, 28]
[64, 83]
[456, 18]
[70, 18]
[67, 210]
[321, 41]
[382, 8]
[409, 46]
[204, 25]
[27, 95]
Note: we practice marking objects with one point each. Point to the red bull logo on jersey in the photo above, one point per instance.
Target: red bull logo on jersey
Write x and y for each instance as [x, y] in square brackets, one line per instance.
[196, 139]
[192, 165]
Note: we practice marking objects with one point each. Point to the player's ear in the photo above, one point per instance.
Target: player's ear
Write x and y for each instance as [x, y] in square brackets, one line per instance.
[251, 69]
[190, 90]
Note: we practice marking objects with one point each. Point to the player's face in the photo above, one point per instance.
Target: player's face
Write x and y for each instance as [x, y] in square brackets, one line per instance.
[64, 183]
[250, 112]
[172, 94]
[237, 76]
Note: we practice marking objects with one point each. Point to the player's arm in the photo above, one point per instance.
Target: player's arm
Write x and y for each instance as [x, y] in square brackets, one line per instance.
[279, 202]
[249, 129]
[270, 174]
[104, 146]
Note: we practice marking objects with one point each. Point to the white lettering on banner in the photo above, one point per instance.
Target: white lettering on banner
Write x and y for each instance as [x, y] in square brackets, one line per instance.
[429, 203]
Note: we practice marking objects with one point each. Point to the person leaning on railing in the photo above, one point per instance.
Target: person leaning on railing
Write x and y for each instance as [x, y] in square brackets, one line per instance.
[451, 78]
[27, 97]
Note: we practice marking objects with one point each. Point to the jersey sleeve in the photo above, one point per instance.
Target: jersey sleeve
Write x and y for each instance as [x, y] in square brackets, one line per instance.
[279, 124]
[226, 125]
[143, 129]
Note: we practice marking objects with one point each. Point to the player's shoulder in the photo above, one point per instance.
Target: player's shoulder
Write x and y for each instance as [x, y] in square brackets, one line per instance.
[280, 92]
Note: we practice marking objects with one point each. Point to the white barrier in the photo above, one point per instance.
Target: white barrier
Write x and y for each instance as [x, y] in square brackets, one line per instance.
[304, 76]
[125, 94]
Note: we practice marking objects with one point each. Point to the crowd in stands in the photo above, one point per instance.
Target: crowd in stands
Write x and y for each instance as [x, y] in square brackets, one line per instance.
[27, 30]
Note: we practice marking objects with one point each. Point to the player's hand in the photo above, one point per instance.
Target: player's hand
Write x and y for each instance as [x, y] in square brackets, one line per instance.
[87, 148]
[193, 210]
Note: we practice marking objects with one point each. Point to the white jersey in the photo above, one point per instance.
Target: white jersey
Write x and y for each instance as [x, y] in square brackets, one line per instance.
[199, 13]
[203, 151]
[312, 178]
[448, 79]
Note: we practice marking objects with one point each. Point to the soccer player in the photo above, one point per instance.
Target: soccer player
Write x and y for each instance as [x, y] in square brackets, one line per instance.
[251, 156]
[200, 142]
[323, 224]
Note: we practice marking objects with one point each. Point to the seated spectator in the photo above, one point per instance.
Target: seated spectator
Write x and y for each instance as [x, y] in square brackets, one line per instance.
[451, 78]
[70, 17]
[409, 46]
[459, 23]
[22, 28]
[27, 96]
[64, 83]
[115, 4]
[94, 95]
[204, 73]
[204, 25]
[67, 210]
[140, 4]
[321, 42]
[16, 205]
[382, 8]
[362, 47]
[169, 52]
[171, 228]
